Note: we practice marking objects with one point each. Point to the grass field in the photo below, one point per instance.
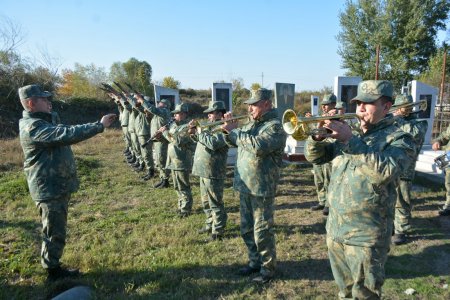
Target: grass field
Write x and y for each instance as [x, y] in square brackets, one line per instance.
[126, 239]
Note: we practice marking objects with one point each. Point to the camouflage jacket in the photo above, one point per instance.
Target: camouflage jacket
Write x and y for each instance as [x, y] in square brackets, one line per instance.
[210, 158]
[132, 120]
[260, 150]
[124, 117]
[141, 124]
[181, 147]
[417, 128]
[49, 163]
[361, 193]
[161, 116]
[443, 139]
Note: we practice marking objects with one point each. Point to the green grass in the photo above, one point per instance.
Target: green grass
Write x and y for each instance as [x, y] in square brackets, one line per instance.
[128, 242]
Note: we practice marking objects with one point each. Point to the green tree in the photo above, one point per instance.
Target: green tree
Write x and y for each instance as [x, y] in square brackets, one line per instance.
[171, 83]
[406, 31]
[433, 75]
[135, 72]
[255, 86]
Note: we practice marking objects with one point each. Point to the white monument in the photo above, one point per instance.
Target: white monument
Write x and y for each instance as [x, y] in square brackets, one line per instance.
[315, 105]
[223, 92]
[284, 97]
[345, 88]
[173, 95]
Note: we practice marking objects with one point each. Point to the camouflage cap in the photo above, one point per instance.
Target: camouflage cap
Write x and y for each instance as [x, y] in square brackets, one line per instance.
[32, 90]
[182, 107]
[165, 101]
[215, 106]
[371, 90]
[258, 95]
[340, 105]
[402, 99]
[328, 99]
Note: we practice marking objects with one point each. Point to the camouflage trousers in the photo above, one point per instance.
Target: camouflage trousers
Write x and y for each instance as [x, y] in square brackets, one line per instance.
[54, 222]
[321, 180]
[160, 158]
[135, 146]
[357, 271]
[211, 191]
[182, 186]
[126, 137]
[146, 151]
[447, 187]
[257, 232]
[403, 207]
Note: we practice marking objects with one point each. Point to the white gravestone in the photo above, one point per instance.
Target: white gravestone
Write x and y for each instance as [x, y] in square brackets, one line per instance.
[223, 92]
[173, 95]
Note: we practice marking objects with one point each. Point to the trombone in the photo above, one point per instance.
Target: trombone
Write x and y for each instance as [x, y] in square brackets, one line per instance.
[300, 130]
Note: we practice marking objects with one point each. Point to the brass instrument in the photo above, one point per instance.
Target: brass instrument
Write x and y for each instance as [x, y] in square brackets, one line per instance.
[201, 126]
[300, 129]
[442, 160]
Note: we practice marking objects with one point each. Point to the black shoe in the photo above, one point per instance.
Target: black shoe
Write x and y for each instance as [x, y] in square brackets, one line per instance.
[131, 161]
[247, 271]
[164, 183]
[444, 212]
[399, 239]
[126, 151]
[139, 168]
[325, 211]
[214, 237]
[317, 207]
[204, 230]
[149, 175]
[262, 279]
[59, 273]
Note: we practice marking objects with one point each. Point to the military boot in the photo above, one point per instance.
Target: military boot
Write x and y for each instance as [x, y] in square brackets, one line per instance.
[164, 183]
[140, 167]
[444, 212]
[399, 239]
[150, 174]
[318, 207]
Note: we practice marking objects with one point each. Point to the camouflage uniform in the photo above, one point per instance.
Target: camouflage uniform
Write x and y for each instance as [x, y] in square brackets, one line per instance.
[161, 116]
[123, 118]
[51, 174]
[133, 136]
[179, 161]
[143, 133]
[210, 163]
[403, 206]
[443, 139]
[260, 146]
[362, 196]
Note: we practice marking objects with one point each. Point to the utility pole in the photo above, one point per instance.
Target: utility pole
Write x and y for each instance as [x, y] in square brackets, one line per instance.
[377, 63]
[262, 79]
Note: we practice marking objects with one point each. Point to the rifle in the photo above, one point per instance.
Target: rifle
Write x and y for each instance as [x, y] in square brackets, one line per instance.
[130, 100]
[153, 137]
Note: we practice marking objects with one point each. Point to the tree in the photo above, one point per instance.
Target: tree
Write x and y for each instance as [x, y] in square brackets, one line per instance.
[170, 82]
[255, 86]
[433, 75]
[406, 31]
[135, 72]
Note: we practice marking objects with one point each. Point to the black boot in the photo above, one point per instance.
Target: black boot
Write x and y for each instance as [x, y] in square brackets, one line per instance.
[164, 183]
[139, 167]
[150, 174]
[317, 207]
[58, 273]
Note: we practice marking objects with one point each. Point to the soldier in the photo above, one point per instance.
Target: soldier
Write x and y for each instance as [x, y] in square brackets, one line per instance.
[143, 132]
[180, 152]
[138, 165]
[361, 194]
[161, 117]
[322, 171]
[124, 109]
[210, 163]
[438, 143]
[409, 123]
[50, 169]
[260, 146]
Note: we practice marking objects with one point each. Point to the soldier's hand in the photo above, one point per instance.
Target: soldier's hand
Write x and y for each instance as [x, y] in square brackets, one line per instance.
[436, 146]
[308, 115]
[107, 120]
[340, 130]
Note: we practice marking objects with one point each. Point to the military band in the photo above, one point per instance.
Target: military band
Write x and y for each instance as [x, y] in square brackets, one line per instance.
[363, 173]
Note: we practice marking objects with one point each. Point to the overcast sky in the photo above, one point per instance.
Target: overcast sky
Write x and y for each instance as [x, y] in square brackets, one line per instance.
[196, 42]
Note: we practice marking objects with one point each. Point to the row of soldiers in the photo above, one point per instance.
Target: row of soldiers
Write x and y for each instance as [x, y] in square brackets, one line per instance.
[366, 165]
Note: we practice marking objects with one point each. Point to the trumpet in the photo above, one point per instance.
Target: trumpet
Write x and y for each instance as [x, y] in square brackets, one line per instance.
[201, 126]
[300, 129]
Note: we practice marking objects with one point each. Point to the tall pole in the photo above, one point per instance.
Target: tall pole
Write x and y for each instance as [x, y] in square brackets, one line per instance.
[377, 62]
[441, 92]
[262, 79]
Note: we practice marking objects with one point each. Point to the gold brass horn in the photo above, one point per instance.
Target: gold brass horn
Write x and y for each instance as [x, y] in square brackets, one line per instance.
[299, 128]
[207, 125]
[421, 103]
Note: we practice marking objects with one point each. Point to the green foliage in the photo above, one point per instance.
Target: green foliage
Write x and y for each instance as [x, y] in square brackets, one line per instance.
[137, 73]
[170, 82]
[405, 30]
[255, 86]
[433, 75]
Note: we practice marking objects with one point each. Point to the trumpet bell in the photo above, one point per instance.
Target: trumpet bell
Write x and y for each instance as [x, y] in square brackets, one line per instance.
[298, 131]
